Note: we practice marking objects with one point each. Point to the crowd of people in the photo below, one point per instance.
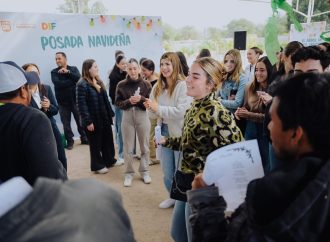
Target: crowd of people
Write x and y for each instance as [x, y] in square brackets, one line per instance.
[284, 106]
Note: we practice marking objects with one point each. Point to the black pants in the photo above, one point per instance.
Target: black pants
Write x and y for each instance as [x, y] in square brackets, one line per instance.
[241, 123]
[102, 150]
[65, 114]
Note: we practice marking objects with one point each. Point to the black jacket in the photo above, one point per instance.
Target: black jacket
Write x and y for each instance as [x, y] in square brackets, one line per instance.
[27, 145]
[93, 107]
[289, 204]
[45, 90]
[115, 77]
[65, 85]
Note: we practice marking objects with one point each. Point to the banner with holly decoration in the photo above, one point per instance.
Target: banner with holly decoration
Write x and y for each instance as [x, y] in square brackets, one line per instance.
[32, 37]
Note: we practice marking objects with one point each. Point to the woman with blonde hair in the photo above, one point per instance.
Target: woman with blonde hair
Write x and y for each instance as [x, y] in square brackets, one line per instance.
[96, 114]
[168, 103]
[232, 88]
[207, 124]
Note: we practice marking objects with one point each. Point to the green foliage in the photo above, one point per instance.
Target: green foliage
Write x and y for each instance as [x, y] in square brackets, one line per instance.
[169, 32]
[167, 45]
[282, 25]
[81, 6]
[188, 51]
[240, 25]
[214, 33]
[217, 40]
[98, 8]
[319, 7]
[187, 33]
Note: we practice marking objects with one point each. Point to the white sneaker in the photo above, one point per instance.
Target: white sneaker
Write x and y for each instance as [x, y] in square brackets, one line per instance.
[167, 203]
[119, 162]
[102, 171]
[153, 162]
[128, 180]
[147, 179]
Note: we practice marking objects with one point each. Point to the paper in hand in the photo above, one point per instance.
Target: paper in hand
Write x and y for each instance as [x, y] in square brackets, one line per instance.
[231, 168]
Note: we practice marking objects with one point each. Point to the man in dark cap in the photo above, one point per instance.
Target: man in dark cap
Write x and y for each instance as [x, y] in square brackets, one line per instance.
[27, 143]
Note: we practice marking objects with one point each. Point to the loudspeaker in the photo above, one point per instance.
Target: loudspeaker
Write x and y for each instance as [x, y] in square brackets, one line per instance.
[240, 40]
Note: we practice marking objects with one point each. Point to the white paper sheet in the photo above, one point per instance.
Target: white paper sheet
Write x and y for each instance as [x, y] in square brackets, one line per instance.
[231, 168]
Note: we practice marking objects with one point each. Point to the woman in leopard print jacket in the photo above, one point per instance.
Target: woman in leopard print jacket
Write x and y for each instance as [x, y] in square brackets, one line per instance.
[207, 124]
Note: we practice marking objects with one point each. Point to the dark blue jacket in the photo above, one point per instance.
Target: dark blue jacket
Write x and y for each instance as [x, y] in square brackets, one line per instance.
[65, 85]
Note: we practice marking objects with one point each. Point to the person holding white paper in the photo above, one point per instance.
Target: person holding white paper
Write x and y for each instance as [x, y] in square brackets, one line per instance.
[207, 124]
[292, 202]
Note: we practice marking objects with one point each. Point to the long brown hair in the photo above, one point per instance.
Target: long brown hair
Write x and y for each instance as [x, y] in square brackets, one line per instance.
[238, 65]
[87, 76]
[255, 84]
[176, 76]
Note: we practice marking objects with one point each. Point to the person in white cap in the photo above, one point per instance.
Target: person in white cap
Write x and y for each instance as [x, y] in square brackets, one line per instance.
[27, 143]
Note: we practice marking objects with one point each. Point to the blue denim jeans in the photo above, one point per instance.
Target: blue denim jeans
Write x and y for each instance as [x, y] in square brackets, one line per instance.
[178, 227]
[255, 130]
[119, 137]
[169, 160]
[181, 229]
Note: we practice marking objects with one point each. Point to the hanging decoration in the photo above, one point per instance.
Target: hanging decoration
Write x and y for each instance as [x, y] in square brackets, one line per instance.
[282, 4]
[138, 26]
[91, 22]
[102, 19]
[149, 25]
[325, 36]
[133, 23]
[272, 45]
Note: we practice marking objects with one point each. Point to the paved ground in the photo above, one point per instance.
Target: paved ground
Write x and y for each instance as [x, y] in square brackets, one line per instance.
[150, 224]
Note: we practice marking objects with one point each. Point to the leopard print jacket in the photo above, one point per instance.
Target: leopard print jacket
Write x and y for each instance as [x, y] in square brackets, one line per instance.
[207, 126]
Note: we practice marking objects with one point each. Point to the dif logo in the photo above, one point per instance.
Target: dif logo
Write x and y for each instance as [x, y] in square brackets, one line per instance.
[48, 26]
[5, 25]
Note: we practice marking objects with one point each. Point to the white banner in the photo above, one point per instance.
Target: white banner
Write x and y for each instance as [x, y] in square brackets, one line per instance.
[29, 37]
[310, 34]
